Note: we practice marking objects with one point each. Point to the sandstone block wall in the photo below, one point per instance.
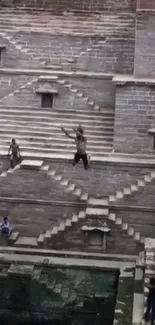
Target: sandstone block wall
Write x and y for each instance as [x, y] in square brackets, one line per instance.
[74, 5]
[106, 179]
[117, 241]
[145, 44]
[134, 116]
[99, 90]
[116, 54]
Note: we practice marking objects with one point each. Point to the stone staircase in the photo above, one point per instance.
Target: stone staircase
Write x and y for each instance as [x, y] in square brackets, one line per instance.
[110, 23]
[97, 206]
[39, 134]
[34, 35]
[58, 79]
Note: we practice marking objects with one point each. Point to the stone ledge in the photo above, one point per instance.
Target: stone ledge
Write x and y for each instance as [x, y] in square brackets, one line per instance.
[31, 164]
[21, 270]
[43, 202]
[46, 91]
[75, 74]
[122, 80]
[2, 46]
[65, 262]
[60, 253]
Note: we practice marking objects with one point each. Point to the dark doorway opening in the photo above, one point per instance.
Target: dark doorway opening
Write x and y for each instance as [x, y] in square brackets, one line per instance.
[47, 100]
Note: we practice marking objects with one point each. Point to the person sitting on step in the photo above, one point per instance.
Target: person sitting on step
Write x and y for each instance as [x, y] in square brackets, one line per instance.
[6, 227]
[81, 143]
[15, 153]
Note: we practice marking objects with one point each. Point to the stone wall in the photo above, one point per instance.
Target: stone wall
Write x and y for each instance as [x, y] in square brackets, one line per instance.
[145, 44]
[74, 5]
[143, 198]
[100, 90]
[115, 54]
[118, 241]
[12, 82]
[32, 219]
[141, 221]
[105, 179]
[134, 117]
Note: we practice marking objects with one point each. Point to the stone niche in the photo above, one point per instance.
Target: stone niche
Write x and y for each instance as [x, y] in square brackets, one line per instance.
[96, 237]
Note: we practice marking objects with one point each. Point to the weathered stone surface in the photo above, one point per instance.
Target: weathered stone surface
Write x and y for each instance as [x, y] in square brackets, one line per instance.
[134, 116]
[31, 164]
[21, 270]
[145, 43]
[117, 240]
[74, 5]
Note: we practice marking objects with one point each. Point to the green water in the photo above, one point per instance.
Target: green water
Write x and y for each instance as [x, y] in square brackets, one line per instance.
[61, 296]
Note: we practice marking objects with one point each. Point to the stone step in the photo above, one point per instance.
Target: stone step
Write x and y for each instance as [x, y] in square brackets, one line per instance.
[127, 191]
[52, 149]
[54, 132]
[57, 138]
[141, 183]
[118, 221]
[134, 188]
[130, 231]
[13, 237]
[57, 30]
[74, 219]
[40, 239]
[84, 197]
[29, 242]
[112, 216]
[68, 223]
[55, 112]
[56, 120]
[99, 202]
[56, 126]
[82, 215]
[53, 155]
[97, 211]
[58, 145]
[61, 226]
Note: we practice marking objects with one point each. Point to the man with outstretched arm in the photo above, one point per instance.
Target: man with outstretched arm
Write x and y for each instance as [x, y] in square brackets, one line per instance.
[81, 143]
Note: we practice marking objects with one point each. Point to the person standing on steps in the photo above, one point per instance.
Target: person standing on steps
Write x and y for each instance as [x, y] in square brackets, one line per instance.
[15, 153]
[150, 310]
[81, 144]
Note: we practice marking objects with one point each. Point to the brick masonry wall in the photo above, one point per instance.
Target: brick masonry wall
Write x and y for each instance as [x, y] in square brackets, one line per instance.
[134, 116]
[31, 219]
[74, 5]
[144, 197]
[10, 83]
[101, 91]
[74, 239]
[145, 45]
[100, 181]
[115, 55]
[143, 4]
[140, 220]
[12, 57]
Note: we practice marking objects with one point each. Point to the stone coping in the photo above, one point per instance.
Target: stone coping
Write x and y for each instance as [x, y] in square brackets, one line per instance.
[43, 202]
[112, 159]
[46, 91]
[65, 262]
[87, 74]
[2, 46]
[122, 80]
[64, 253]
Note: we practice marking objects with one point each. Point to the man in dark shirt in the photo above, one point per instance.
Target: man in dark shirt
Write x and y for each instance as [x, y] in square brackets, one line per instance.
[150, 301]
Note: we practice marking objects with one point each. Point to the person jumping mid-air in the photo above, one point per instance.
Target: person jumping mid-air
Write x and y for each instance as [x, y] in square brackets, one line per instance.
[15, 153]
[81, 143]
